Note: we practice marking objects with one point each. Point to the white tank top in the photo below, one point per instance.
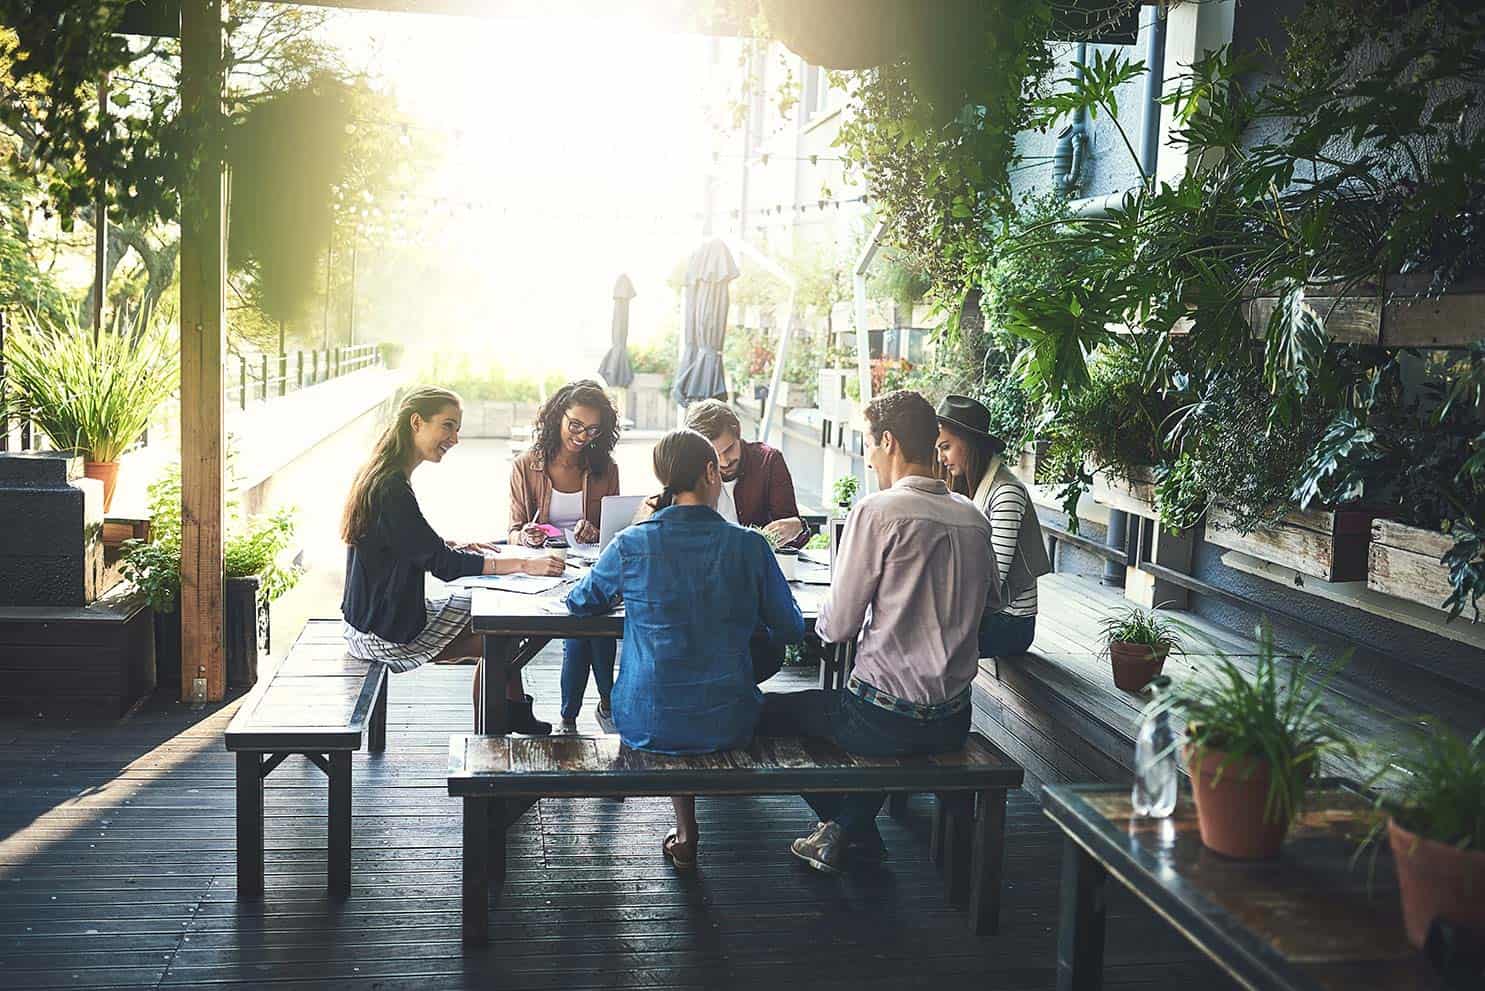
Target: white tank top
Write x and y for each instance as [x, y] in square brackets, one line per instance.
[565, 509]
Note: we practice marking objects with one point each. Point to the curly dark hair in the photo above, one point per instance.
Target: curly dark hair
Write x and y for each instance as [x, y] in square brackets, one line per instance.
[584, 392]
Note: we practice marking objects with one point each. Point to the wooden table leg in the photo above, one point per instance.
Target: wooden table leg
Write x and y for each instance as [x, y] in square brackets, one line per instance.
[496, 868]
[476, 882]
[340, 823]
[987, 863]
[936, 833]
[493, 719]
[249, 824]
[377, 732]
[958, 832]
[1080, 929]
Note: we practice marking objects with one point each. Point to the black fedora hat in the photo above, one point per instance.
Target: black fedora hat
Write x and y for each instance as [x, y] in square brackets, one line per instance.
[970, 416]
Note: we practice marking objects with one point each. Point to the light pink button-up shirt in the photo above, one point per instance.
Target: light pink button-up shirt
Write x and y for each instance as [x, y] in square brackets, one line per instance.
[913, 576]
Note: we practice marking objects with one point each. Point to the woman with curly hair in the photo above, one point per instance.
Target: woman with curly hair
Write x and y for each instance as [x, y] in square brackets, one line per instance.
[560, 482]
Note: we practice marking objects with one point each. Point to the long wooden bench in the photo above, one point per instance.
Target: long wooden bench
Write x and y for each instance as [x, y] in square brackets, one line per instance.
[320, 703]
[499, 777]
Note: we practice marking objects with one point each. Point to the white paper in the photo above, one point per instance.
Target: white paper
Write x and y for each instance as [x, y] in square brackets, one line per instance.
[520, 582]
[588, 552]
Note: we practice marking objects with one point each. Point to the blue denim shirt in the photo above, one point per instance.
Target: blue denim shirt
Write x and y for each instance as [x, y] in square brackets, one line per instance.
[694, 587]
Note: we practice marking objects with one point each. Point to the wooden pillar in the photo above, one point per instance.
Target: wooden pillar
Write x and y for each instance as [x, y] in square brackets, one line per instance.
[203, 280]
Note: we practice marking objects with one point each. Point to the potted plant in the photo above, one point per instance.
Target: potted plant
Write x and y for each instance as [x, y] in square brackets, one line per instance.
[254, 575]
[1253, 740]
[1137, 642]
[92, 394]
[1436, 829]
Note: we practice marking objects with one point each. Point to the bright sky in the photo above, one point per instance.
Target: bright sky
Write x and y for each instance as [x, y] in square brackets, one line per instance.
[580, 149]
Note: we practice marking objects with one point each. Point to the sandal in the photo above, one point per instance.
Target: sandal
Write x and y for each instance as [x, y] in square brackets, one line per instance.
[682, 855]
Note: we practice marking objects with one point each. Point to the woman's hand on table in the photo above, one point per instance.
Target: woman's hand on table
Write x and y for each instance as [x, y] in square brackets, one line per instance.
[543, 566]
[585, 532]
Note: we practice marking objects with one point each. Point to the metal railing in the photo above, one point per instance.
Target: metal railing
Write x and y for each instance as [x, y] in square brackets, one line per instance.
[260, 377]
[249, 379]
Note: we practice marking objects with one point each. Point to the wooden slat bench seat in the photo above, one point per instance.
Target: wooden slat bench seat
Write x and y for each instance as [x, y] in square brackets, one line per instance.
[320, 703]
[499, 777]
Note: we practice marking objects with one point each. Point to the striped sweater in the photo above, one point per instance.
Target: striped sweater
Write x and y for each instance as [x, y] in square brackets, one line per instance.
[1008, 504]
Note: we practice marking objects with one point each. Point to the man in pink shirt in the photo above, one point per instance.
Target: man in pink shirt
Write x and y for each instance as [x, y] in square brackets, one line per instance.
[912, 578]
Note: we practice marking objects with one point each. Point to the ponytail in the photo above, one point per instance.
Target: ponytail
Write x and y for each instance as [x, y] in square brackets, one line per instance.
[392, 454]
[680, 461]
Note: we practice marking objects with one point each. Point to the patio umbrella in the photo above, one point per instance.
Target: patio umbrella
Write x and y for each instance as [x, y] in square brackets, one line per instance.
[708, 273]
[615, 364]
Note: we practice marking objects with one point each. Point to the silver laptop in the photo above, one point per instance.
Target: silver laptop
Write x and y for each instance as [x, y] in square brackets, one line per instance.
[616, 513]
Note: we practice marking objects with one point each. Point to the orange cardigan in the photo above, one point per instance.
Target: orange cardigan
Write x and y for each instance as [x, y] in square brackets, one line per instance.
[531, 492]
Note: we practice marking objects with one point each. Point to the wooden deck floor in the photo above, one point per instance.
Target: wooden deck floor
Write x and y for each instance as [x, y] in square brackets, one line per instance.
[117, 870]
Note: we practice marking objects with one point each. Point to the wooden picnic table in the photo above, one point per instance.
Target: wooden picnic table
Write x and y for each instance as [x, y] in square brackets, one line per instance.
[1318, 918]
[516, 626]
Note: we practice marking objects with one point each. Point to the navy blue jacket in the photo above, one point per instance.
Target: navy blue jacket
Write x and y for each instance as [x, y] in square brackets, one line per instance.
[385, 570]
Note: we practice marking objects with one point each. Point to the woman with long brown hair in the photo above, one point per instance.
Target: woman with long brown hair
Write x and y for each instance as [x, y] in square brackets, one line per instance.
[971, 457]
[694, 588]
[390, 548]
[560, 482]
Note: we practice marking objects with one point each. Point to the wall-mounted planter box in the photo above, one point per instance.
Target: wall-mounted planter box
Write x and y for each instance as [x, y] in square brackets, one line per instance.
[1327, 544]
[1405, 563]
[1130, 495]
[1390, 314]
[792, 395]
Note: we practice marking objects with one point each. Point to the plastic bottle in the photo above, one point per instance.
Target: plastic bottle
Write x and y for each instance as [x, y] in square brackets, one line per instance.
[1154, 794]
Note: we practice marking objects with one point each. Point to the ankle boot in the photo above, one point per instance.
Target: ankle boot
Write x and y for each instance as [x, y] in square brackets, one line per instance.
[523, 720]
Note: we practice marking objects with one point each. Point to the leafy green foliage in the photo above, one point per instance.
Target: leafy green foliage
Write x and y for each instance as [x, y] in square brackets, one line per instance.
[1142, 626]
[94, 394]
[843, 491]
[934, 136]
[1273, 714]
[1440, 794]
[253, 547]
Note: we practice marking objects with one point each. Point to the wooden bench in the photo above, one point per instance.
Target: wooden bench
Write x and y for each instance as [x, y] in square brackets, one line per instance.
[500, 777]
[321, 703]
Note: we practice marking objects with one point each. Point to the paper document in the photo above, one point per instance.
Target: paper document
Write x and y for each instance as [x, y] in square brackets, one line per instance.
[588, 552]
[530, 584]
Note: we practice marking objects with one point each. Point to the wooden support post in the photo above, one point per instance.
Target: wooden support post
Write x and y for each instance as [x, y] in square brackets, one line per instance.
[203, 283]
[1166, 550]
[377, 737]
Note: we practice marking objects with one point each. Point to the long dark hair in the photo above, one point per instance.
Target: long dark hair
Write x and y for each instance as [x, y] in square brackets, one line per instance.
[680, 460]
[392, 454]
[981, 453]
[598, 452]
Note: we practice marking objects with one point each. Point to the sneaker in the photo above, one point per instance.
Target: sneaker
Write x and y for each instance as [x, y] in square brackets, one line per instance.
[568, 726]
[824, 849]
[605, 708]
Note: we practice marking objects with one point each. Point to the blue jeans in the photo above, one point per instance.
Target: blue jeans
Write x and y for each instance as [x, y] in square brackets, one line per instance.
[861, 728]
[577, 657]
[1002, 635]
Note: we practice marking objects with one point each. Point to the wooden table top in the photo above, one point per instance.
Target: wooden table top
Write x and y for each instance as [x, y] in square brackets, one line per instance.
[1318, 918]
[522, 614]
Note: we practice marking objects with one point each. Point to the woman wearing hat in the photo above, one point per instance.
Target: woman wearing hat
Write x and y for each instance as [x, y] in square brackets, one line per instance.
[971, 457]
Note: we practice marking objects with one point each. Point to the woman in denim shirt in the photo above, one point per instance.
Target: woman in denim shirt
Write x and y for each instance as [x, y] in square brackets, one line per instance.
[694, 589]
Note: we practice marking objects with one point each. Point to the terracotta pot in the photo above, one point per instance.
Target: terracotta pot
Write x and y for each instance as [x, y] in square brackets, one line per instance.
[106, 472]
[1135, 664]
[1230, 804]
[1437, 881]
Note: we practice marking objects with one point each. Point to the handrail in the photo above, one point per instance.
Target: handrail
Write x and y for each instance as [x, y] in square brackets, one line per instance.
[262, 376]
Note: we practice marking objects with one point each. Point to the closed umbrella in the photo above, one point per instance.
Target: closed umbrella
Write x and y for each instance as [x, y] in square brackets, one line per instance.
[615, 364]
[708, 274]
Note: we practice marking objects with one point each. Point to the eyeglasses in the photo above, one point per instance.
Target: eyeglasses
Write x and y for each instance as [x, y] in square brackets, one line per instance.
[580, 429]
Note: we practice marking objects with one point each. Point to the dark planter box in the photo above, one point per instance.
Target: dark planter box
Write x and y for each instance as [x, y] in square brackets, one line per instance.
[77, 662]
[242, 625]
